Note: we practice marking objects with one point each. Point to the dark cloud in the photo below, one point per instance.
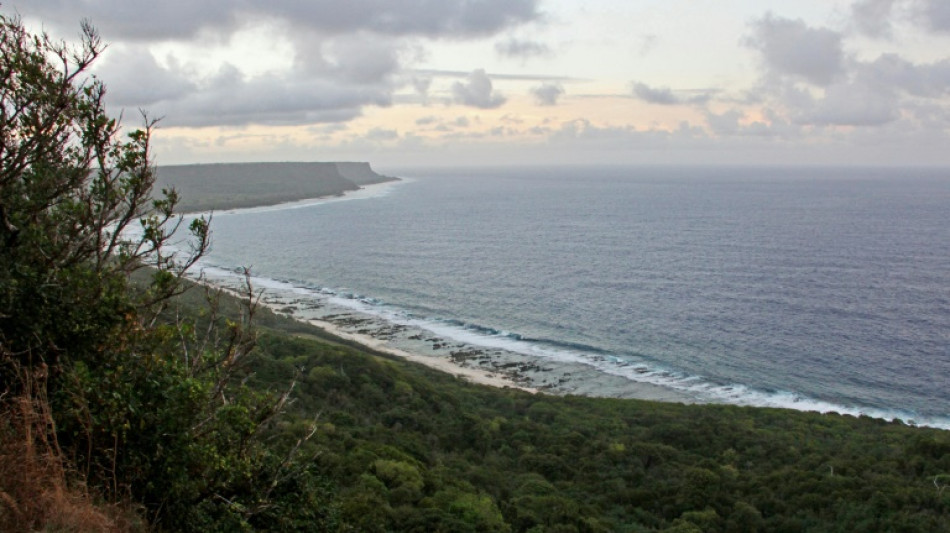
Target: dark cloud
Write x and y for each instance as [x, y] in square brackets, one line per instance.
[791, 48]
[873, 17]
[183, 19]
[548, 94]
[477, 91]
[666, 96]
[522, 49]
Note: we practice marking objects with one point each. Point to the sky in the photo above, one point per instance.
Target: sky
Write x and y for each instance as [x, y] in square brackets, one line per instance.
[414, 83]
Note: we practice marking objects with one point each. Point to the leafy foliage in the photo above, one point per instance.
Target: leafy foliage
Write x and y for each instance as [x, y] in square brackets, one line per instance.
[138, 408]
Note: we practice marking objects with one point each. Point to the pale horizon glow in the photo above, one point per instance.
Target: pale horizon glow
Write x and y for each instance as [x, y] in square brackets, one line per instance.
[515, 82]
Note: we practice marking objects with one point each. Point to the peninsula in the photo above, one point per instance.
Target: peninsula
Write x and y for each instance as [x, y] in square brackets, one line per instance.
[235, 185]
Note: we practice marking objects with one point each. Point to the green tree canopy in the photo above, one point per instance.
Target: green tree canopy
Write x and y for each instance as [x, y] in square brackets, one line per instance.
[70, 192]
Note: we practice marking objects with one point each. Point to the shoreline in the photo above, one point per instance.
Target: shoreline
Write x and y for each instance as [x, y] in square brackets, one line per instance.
[446, 365]
[442, 364]
[476, 363]
[482, 363]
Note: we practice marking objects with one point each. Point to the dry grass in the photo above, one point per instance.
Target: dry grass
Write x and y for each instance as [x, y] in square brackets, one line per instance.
[35, 490]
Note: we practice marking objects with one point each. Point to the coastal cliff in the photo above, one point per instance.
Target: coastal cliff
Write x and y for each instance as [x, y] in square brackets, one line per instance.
[361, 173]
[233, 185]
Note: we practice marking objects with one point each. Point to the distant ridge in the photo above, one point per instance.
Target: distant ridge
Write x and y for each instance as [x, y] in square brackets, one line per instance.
[232, 185]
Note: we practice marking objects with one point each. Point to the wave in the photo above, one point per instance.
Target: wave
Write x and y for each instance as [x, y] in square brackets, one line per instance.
[633, 368]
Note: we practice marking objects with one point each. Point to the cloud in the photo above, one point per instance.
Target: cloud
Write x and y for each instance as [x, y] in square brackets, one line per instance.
[809, 79]
[890, 71]
[339, 57]
[513, 77]
[666, 96]
[477, 92]
[935, 14]
[358, 58]
[791, 48]
[136, 79]
[327, 129]
[735, 123]
[873, 17]
[381, 134]
[661, 96]
[184, 19]
[726, 123]
[333, 87]
[522, 49]
[231, 99]
[584, 133]
[852, 103]
[547, 94]
[421, 85]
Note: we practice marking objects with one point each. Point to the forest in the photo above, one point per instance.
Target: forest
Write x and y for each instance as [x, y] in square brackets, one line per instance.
[133, 399]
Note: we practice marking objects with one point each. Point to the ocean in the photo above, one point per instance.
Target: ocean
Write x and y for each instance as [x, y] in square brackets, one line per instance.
[822, 289]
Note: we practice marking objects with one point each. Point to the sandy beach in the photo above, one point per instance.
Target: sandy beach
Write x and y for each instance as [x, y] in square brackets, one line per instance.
[473, 375]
